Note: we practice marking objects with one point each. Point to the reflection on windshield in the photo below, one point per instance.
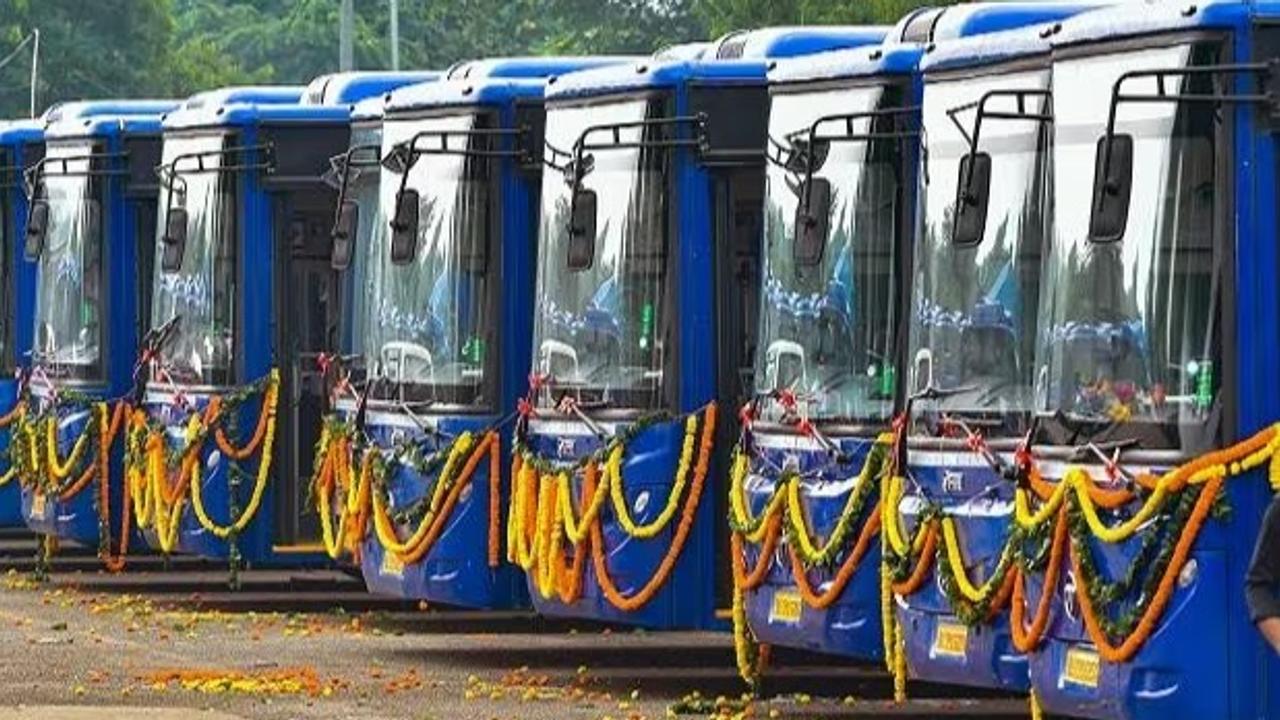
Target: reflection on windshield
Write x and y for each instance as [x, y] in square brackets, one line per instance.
[69, 275]
[600, 330]
[202, 291]
[827, 327]
[425, 322]
[1129, 329]
[362, 187]
[973, 311]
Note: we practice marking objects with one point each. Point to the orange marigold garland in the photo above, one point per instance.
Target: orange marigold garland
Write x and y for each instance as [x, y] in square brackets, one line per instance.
[650, 589]
[1127, 648]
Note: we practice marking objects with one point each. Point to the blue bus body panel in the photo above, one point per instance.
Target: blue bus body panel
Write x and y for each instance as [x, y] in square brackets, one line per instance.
[354, 87]
[649, 465]
[952, 478]
[852, 626]
[20, 141]
[532, 67]
[456, 571]
[798, 41]
[981, 503]
[1204, 659]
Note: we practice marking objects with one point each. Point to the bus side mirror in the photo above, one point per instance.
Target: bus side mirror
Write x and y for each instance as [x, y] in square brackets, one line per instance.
[37, 228]
[582, 230]
[1112, 181]
[973, 193]
[404, 228]
[174, 241]
[813, 218]
[344, 235]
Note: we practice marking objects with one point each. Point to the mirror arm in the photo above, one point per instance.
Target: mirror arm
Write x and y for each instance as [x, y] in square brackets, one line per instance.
[806, 200]
[342, 191]
[404, 184]
[575, 185]
[1109, 138]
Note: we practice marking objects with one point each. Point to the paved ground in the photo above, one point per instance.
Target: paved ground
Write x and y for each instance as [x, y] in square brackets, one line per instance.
[89, 640]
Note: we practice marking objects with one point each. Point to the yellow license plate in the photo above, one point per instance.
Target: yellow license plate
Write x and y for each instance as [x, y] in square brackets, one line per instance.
[392, 565]
[39, 506]
[1082, 667]
[951, 640]
[787, 606]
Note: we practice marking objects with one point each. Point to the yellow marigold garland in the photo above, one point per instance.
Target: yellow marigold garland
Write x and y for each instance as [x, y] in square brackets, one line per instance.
[335, 456]
[59, 470]
[386, 531]
[802, 537]
[613, 478]
[16, 413]
[536, 531]
[448, 489]
[237, 525]
[738, 503]
[1210, 470]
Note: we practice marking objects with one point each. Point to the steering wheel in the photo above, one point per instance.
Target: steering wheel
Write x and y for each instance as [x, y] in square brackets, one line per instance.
[403, 355]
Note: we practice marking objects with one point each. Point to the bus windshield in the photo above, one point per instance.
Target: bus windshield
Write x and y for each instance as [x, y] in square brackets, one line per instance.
[827, 321]
[69, 276]
[201, 293]
[426, 326]
[973, 308]
[1130, 326]
[600, 318]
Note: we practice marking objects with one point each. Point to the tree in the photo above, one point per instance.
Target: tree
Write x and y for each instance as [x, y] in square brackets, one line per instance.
[722, 16]
[286, 41]
[108, 48]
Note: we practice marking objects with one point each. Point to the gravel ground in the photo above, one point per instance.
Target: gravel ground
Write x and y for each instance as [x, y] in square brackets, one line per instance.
[71, 643]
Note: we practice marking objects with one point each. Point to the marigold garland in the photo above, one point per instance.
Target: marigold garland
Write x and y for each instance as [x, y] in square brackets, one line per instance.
[785, 508]
[842, 577]
[447, 489]
[1125, 650]
[613, 470]
[543, 515]
[14, 414]
[159, 480]
[1027, 639]
[799, 536]
[237, 524]
[108, 427]
[1077, 499]
[650, 589]
[60, 469]
[746, 648]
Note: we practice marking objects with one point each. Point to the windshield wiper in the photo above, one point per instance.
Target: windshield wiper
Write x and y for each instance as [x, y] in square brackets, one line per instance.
[936, 393]
[153, 343]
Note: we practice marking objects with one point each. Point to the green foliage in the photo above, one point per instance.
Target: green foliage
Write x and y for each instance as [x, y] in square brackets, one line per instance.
[172, 48]
[722, 16]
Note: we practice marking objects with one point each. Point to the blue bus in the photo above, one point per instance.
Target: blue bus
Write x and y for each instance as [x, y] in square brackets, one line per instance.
[972, 326]
[844, 133]
[91, 200]
[441, 201]
[244, 299]
[648, 266]
[22, 145]
[1153, 399]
